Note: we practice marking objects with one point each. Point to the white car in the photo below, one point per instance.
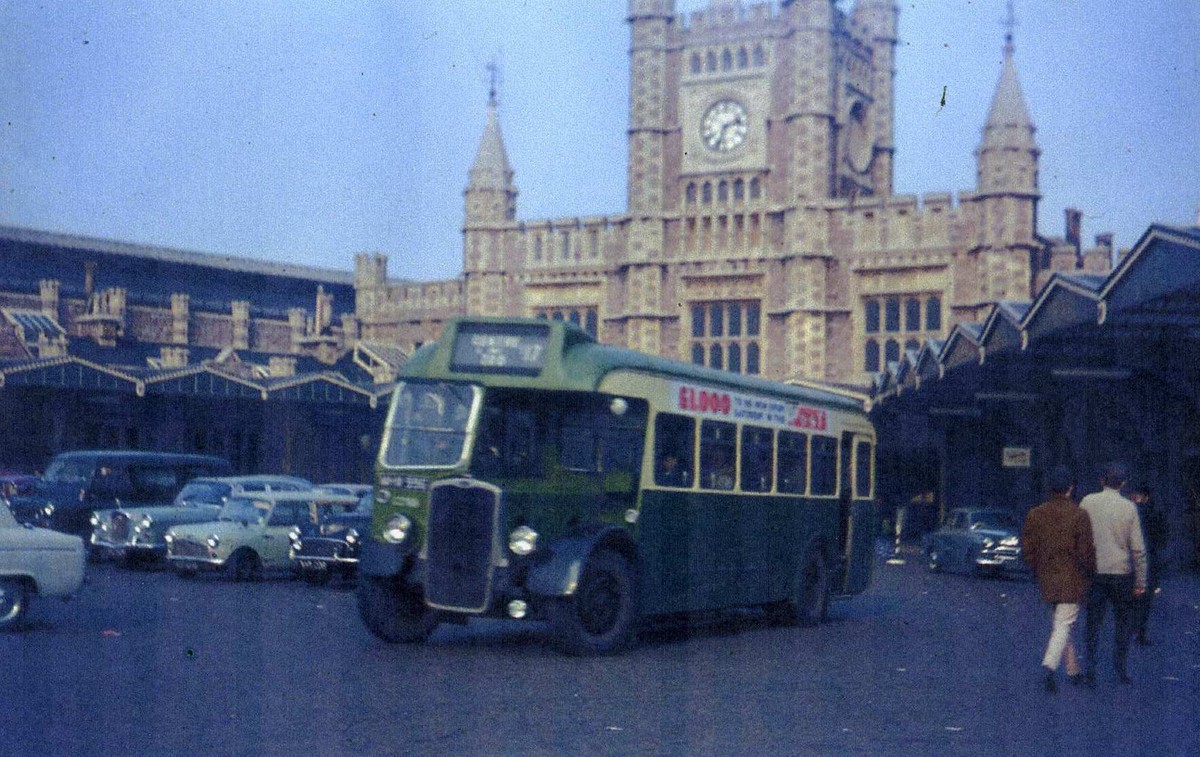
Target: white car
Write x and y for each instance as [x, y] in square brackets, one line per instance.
[251, 533]
[35, 561]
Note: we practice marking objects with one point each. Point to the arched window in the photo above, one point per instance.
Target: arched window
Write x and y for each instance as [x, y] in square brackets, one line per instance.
[698, 321]
[537, 248]
[726, 60]
[735, 358]
[752, 358]
[871, 356]
[912, 314]
[760, 56]
[891, 352]
[710, 62]
[743, 58]
[933, 314]
[739, 189]
[696, 63]
[891, 314]
[574, 317]
[723, 191]
[706, 192]
[734, 311]
[690, 193]
[716, 322]
[872, 317]
[590, 323]
[715, 355]
[911, 344]
[698, 354]
[755, 188]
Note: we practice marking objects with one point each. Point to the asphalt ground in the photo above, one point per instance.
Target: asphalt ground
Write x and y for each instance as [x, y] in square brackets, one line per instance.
[144, 662]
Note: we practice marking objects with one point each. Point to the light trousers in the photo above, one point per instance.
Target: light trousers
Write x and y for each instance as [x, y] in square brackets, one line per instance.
[1060, 643]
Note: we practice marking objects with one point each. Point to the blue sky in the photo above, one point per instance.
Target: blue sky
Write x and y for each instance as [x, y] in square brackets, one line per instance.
[307, 131]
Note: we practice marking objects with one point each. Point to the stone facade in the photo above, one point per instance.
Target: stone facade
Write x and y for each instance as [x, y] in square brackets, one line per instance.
[761, 234]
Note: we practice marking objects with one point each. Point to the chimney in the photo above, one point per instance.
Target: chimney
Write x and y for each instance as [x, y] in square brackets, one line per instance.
[89, 279]
[49, 297]
[1105, 240]
[1074, 219]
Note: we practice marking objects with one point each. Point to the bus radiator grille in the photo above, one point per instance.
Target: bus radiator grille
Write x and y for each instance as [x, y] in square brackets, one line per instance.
[462, 528]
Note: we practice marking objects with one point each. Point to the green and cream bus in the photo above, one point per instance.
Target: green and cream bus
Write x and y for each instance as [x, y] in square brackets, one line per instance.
[528, 471]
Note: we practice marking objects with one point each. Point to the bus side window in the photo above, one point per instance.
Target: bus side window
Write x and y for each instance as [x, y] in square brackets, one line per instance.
[824, 465]
[793, 462]
[758, 453]
[862, 472]
[717, 447]
[674, 439]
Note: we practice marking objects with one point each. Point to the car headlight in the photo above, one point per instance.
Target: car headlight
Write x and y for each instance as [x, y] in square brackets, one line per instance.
[213, 541]
[147, 521]
[94, 520]
[297, 545]
[988, 543]
[352, 536]
[523, 540]
[169, 539]
[397, 528]
[294, 535]
[48, 510]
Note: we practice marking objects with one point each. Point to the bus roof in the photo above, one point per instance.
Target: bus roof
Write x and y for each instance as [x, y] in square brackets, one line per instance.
[576, 361]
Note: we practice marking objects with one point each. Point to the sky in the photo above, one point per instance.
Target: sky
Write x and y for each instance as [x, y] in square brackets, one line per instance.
[305, 131]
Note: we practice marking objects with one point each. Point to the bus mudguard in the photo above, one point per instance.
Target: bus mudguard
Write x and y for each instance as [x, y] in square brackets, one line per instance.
[559, 575]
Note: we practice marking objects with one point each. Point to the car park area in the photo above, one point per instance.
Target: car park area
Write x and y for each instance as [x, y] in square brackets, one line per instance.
[141, 661]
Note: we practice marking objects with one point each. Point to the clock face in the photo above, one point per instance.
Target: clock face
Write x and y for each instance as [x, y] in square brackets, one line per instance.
[723, 127]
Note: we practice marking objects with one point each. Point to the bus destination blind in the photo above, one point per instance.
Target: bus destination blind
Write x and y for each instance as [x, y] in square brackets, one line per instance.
[500, 348]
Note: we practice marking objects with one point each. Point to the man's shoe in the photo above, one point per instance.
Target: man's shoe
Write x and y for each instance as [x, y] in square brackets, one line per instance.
[1078, 679]
[1049, 683]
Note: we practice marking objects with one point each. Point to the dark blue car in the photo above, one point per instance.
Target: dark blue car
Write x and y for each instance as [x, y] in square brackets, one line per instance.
[977, 541]
[331, 546]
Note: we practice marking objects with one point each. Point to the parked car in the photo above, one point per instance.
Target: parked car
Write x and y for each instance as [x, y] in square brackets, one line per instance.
[136, 533]
[76, 484]
[332, 545]
[35, 561]
[250, 534]
[975, 540]
[14, 483]
[354, 490]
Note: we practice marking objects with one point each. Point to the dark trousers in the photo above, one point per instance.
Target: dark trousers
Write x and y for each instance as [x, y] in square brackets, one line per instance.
[1117, 589]
[1141, 605]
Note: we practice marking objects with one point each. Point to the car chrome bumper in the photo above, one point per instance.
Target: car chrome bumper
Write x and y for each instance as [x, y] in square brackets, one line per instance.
[199, 562]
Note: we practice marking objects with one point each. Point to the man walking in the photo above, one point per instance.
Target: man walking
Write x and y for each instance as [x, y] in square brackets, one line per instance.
[1120, 568]
[1056, 541]
[1154, 534]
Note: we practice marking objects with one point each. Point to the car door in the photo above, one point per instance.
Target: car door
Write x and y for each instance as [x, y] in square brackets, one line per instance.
[274, 542]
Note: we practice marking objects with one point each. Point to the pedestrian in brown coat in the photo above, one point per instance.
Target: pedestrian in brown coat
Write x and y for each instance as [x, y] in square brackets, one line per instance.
[1057, 543]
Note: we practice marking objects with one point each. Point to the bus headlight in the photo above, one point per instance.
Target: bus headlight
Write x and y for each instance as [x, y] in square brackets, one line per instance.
[396, 530]
[294, 534]
[523, 540]
[213, 541]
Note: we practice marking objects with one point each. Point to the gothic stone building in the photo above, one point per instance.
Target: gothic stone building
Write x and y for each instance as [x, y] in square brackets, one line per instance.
[762, 234]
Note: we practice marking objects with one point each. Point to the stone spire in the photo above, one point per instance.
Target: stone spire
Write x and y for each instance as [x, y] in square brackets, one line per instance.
[491, 195]
[1007, 155]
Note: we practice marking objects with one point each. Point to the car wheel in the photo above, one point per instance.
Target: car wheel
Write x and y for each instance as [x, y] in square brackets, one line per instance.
[14, 601]
[244, 565]
[599, 617]
[393, 611]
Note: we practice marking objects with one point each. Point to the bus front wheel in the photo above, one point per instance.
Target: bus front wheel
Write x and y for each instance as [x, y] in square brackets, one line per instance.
[599, 617]
[394, 612]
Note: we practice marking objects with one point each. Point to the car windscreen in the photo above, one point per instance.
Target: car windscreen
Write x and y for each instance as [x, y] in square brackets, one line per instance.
[69, 471]
[993, 521]
[429, 424]
[245, 511]
[203, 493]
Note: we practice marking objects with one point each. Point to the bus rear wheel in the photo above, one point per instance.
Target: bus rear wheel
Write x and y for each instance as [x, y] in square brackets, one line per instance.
[394, 612]
[599, 617]
[811, 605]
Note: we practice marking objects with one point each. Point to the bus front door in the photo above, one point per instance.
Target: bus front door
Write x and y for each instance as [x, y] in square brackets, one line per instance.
[856, 514]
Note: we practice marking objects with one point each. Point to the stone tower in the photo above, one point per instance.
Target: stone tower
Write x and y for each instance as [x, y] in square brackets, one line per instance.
[490, 201]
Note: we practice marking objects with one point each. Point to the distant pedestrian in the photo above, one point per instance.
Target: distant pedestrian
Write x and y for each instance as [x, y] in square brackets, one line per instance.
[1056, 541]
[1154, 534]
[1120, 569]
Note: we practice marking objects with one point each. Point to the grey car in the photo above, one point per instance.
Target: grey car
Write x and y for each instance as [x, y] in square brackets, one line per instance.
[976, 540]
